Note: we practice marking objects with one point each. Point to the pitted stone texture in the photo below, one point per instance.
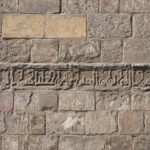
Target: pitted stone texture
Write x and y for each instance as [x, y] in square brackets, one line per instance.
[111, 51]
[79, 51]
[22, 26]
[44, 51]
[42, 142]
[136, 51]
[38, 6]
[140, 100]
[100, 122]
[14, 51]
[10, 143]
[65, 123]
[79, 6]
[141, 6]
[112, 101]
[109, 25]
[76, 100]
[80, 143]
[2, 122]
[119, 143]
[142, 143]
[35, 100]
[126, 6]
[0, 24]
[147, 122]
[37, 122]
[8, 5]
[109, 6]
[6, 100]
[141, 25]
[16, 123]
[130, 122]
[65, 26]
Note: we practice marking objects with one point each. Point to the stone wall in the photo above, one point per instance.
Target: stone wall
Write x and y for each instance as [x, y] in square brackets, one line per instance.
[74, 75]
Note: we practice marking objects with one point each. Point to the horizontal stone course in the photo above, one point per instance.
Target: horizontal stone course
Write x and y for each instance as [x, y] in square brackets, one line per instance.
[47, 26]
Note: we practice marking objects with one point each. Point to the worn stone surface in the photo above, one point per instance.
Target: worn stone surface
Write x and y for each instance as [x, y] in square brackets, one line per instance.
[141, 26]
[147, 122]
[44, 51]
[65, 26]
[10, 143]
[36, 6]
[100, 122]
[22, 26]
[6, 100]
[141, 6]
[79, 51]
[9, 6]
[14, 51]
[65, 123]
[142, 142]
[111, 51]
[109, 6]
[2, 122]
[76, 100]
[130, 122]
[80, 143]
[16, 123]
[140, 100]
[136, 51]
[119, 143]
[35, 100]
[79, 6]
[112, 101]
[126, 6]
[37, 122]
[0, 24]
[109, 25]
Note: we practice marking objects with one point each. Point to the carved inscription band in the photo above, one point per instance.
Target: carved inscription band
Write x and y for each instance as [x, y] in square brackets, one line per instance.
[75, 76]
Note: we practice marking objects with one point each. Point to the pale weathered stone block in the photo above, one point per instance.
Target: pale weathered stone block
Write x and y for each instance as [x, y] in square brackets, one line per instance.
[136, 51]
[22, 26]
[109, 25]
[35, 100]
[46, 99]
[38, 6]
[42, 143]
[79, 6]
[109, 6]
[79, 51]
[112, 101]
[37, 122]
[141, 25]
[13, 51]
[6, 100]
[130, 122]
[23, 100]
[10, 143]
[147, 122]
[140, 100]
[141, 6]
[111, 51]
[142, 143]
[100, 122]
[126, 6]
[65, 26]
[16, 123]
[65, 123]
[44, 51]
[8, 5]
[76, 100]
[119, 143]
[80, 143]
